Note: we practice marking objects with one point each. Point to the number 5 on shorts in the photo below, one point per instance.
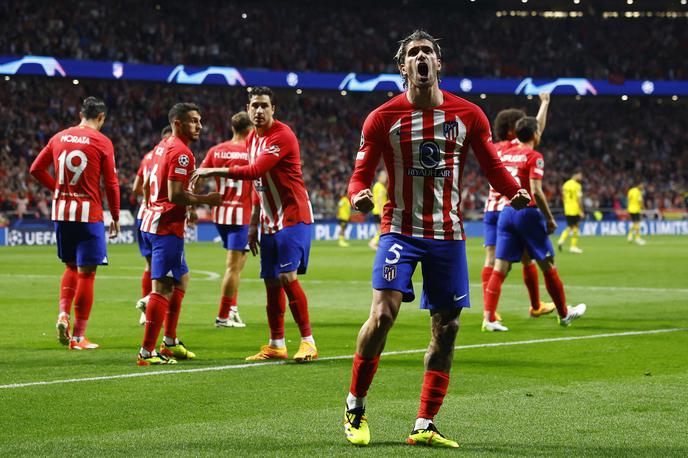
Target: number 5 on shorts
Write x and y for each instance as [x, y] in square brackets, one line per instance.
[394, 249]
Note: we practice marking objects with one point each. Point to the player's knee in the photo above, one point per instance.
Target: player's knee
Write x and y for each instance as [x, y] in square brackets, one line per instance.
[382, 320]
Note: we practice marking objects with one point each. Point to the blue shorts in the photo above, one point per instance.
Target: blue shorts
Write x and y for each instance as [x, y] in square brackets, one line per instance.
[490, 228]
[443, 263]
[234, 236]
[167, 256]
[144, 246]
[285, 250]
[83, 243]
[522, 230]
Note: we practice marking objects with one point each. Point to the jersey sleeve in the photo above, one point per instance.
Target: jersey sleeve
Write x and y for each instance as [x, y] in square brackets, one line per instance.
[481, 142]
[182, 164]
[373, 143]
[111, 182]
[278, 147]
[536, 166]
[39, 168]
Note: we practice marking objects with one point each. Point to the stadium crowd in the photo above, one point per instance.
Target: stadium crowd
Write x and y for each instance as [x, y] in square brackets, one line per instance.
[614, 143]
[252, 34]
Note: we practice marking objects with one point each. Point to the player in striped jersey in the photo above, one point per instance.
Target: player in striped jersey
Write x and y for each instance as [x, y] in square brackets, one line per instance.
[423, 136]
[81, 155]
[167, 197]
[505, 130]
[528, 229]
[144, 247]
[285, 215]
[232, 217]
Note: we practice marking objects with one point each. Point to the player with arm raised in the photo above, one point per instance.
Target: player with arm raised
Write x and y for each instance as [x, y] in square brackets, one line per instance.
[232, 216]
[167, 196]
[505, 129]
[528, 229]
[423, 137]
[285, 215]
[81, 155]
[144, 247]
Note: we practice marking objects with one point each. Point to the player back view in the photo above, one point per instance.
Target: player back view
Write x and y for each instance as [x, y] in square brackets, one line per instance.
[80, 156]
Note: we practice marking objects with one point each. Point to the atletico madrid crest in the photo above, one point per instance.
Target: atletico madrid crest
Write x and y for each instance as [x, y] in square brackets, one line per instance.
[451, 130]
[389, 272]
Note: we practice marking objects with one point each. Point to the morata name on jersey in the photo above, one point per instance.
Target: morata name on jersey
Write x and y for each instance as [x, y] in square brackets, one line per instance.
[74, 139]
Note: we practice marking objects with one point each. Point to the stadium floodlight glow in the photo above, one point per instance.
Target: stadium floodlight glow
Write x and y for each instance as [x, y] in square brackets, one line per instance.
[483, 96]
[244, 15]
[7, 78]
[390, 94]
[529, 97]
[299, 91]
[343, 92]
[674, 98]
[624, 97]
[576, 2]
[629, 2]
[75, 82]
[683, 2]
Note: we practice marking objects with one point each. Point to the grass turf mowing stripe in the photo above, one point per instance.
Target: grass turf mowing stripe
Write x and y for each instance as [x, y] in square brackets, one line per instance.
[333, 358]
[213, 276]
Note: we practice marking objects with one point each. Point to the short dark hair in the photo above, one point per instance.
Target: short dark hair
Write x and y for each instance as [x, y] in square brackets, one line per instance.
[526, 128]
[181, 110]
[418, 34]
[167, 130]
[241, 122]
[91, 107]
[505, 122]
[262, 90]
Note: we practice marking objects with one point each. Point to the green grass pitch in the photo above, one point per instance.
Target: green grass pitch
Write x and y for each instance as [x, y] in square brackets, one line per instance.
[607, 395]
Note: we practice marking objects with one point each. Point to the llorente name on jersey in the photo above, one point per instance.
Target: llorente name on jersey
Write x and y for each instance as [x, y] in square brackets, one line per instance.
[437, 173]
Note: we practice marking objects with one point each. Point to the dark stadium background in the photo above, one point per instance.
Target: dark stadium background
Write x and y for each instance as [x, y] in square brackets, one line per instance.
[616, 142]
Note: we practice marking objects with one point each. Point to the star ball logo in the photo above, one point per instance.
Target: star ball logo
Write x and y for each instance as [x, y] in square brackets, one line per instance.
[183, 160]
[15, 238]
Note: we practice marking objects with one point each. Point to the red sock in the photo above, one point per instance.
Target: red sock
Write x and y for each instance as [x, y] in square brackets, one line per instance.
[487, 272]
[233, 300]
[83, 301]
[225, 304]
[172, 317]
[435, 385]
[68, 288]
[298, 304]
[362, 374]
[556, 290]
[530, 278]
[155, 315]
[146, 285]
[492, 292]
[276, 306]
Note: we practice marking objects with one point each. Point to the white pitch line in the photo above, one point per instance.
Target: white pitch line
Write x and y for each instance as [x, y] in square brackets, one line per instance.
[212, 276]
[335, 358]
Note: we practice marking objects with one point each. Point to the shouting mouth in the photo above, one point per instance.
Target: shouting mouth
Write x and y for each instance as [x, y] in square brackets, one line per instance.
[423, 70]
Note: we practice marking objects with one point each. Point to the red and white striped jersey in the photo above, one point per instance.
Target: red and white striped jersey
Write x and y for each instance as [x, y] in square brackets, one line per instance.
[275, 165]
[142, 173]
[524, 163]
[495, 201]
[173, 161]
[424, 151]
[80, 156]
[236, 194]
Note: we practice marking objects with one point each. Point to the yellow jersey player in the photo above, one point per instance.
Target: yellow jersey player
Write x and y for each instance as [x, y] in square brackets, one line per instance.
[572, 194]
[379, 201]
[635, 204]
[343, 215]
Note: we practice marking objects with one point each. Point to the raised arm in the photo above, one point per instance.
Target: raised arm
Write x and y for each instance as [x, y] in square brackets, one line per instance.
[542, 112]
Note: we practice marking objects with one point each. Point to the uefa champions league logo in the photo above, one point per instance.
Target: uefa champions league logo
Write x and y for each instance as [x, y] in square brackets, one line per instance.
[581, 85]
[230, 74]
[15, 238]
[50, 65]
[351, 82]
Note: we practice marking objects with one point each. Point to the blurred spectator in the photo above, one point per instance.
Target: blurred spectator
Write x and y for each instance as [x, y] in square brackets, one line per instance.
[303, 36]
